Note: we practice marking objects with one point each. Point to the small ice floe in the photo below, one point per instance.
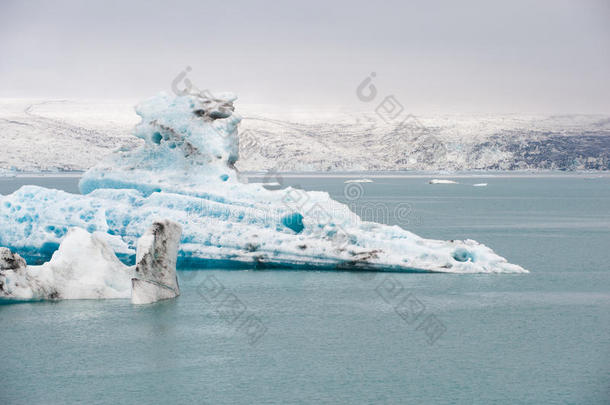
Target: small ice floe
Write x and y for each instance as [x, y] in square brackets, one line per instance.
[442, 181]
[480, 185]
[359, 181]
[85, 267]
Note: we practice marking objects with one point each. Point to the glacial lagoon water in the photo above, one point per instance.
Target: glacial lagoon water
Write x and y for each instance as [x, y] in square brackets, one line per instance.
[340, 337]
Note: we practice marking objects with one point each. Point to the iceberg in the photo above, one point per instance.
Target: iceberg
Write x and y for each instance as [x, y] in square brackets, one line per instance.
[185, 171]
[85, 267]
[442, 181]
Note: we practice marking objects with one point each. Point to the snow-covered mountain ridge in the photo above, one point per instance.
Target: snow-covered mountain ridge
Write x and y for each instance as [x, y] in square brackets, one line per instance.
[67, 135]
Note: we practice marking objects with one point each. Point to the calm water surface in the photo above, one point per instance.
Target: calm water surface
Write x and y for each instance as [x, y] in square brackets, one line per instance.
[328, 337]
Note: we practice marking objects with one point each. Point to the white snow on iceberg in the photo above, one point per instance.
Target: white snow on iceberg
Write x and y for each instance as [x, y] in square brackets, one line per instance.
[185, 172]
[84, 267]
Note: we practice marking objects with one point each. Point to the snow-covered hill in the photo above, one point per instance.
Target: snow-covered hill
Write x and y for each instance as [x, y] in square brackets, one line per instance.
[60, 135]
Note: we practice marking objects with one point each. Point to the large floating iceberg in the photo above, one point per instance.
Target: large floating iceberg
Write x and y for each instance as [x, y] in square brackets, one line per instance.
[185, 172]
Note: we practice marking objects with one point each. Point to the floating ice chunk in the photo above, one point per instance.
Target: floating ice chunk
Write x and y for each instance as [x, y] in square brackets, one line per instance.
[84, 267]
[480, 185]
[156, 264]
[442, 181]
[359, 181]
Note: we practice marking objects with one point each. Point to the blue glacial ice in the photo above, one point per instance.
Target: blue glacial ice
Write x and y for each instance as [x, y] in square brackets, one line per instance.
[185, 172]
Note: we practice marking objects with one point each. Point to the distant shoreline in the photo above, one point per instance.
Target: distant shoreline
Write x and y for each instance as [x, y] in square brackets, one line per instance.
[40, 174]
[373, 174]
[436, 174]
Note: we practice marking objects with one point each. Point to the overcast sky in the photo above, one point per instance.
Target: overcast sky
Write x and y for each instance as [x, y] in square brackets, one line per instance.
[434, 56]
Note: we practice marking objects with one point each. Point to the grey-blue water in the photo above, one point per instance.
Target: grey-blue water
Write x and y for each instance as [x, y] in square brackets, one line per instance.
[330, 337]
